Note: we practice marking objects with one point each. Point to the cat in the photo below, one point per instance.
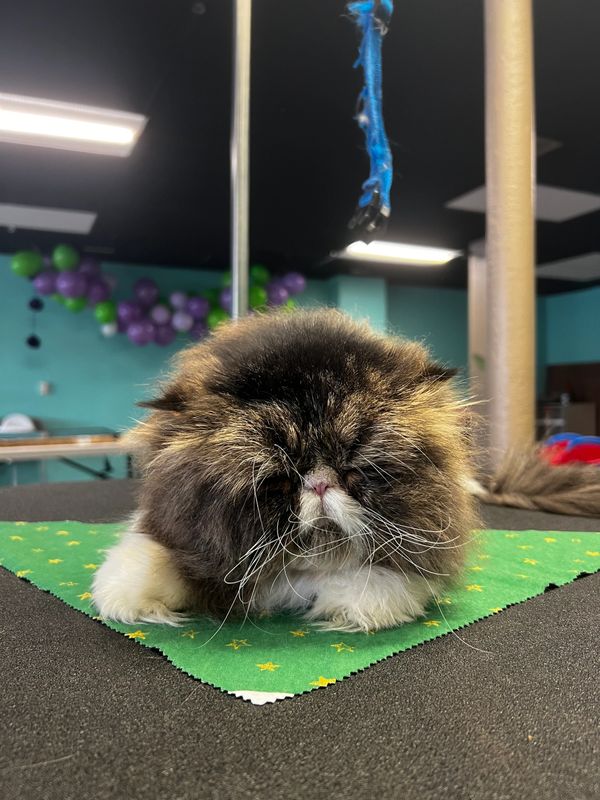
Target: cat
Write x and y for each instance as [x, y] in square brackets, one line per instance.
[296, 461]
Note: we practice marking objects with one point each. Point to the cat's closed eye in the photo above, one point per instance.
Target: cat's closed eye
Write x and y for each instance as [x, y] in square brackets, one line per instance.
[280, 484]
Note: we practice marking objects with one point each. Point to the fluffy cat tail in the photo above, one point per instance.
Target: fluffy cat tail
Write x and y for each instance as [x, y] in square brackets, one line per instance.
[525, 480]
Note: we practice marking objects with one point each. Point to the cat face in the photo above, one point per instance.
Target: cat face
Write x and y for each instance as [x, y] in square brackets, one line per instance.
[304, 435]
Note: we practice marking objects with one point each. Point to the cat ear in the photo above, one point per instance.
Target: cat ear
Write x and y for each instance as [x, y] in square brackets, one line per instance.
[437, 372]
[170, 400]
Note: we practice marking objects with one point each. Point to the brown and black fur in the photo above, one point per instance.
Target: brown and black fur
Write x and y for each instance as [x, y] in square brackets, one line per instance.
[261, 402]
[526, 480]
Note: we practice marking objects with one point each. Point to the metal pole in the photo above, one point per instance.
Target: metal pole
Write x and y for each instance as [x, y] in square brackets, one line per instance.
[240, 158]
[510, 237]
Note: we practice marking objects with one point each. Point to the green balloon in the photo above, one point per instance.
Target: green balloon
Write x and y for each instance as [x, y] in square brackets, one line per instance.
[26, 263]
[259, 274]
[75, 304]
[106, 311]
[290, 304]
[257, 297]
[226, 279]
[216, 317]
[65, 257]
[212, 295]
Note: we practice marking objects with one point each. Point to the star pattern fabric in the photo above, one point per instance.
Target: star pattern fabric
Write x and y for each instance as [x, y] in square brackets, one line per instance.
[281, 656]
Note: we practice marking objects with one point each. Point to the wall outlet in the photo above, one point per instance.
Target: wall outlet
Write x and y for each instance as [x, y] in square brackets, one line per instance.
[44, 388]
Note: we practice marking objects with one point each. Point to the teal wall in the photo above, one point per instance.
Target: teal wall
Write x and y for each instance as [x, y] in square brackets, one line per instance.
[572, 329]
[437, 317]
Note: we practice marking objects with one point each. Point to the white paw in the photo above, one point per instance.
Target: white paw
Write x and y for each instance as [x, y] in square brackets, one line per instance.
[138, 582]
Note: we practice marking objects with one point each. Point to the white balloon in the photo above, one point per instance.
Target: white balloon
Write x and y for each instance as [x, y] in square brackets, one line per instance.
[109, 329]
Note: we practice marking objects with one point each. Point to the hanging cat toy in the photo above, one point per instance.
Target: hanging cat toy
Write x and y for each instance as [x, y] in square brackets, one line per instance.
[372, 18]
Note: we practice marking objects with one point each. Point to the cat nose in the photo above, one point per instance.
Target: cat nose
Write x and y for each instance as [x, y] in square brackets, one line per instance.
[320, 487]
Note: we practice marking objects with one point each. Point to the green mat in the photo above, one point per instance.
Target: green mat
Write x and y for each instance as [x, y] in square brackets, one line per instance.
[282, 656]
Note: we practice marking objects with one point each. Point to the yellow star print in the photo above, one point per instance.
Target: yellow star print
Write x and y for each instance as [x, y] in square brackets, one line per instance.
[22, 572]
[236, 644]
[189, 634]
[496, 610]
[432, 623]
[529, 561]
[511, 535]
[68, 583]
[549, 539]
[592, 553]
[474, 587]
[484, 557]
[37, 550]
[93, 532]
[340, 647]
[525, 546]
[42, 528]
[72, 543]
[446, 601]
[521, 575]
[268, 667]
[136, 635]
[17, 539]
[476, 569]
[85, 596]
[63, 533]
[299, 634]
[20, 523]
[576, 541]
[55, 560]
[323, 681]
[90, 566]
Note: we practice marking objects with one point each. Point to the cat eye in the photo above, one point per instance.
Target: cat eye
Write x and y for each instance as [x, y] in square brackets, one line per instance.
[352, 478]
[281, 484]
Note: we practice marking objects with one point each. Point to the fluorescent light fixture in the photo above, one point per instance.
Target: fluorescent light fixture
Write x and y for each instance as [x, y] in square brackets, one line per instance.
[68, 126]
[37, 218]
[399, 253]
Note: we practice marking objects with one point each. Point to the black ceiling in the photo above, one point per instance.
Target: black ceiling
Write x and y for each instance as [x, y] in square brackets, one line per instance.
[168, 203]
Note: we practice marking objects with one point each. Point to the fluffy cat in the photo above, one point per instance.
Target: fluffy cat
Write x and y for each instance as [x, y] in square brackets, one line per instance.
[295, 461]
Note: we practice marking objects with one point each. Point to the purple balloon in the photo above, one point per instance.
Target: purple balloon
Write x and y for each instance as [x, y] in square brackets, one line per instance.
[198, 307]
[182, 321]
[45, 282]
[129, 311]
[71, 284]
[89, 266]
[164, 334]
[160, 314]
[140, 332]
[294, 282]
[179, 300]
[226, 299]
[98, 290]
[198, 330]
[277, 293]
[146, 291]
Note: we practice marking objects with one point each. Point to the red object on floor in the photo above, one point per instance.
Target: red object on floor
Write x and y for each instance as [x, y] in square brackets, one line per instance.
[569, 448]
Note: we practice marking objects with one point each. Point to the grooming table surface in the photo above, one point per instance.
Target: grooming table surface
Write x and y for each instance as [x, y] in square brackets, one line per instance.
[110, 719]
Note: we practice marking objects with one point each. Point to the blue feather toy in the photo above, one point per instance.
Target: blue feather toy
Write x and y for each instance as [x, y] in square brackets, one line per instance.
[372, 18]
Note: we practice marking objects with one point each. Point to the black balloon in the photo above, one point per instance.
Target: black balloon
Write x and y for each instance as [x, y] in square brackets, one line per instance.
[34, 341]
[36, 304]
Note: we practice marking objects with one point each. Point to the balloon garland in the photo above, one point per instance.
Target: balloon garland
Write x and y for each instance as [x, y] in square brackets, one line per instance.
[146, 317]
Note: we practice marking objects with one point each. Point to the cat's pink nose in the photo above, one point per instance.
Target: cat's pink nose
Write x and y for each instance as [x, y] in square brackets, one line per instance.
[320, 487]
